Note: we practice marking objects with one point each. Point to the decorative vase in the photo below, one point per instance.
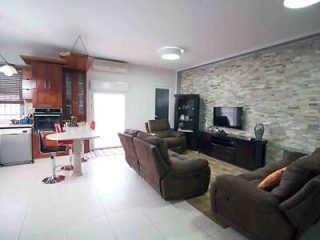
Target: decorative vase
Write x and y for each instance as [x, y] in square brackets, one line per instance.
[258, 131]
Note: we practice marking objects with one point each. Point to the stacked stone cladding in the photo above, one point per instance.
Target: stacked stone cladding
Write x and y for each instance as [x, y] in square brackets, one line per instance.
[278, 86]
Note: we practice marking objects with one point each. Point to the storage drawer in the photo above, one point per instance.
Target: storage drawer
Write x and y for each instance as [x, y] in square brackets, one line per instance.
[223, 152]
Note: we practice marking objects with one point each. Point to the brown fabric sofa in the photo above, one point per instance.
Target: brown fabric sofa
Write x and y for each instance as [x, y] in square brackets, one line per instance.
[170, 174]
[284, 212]
[176, 141]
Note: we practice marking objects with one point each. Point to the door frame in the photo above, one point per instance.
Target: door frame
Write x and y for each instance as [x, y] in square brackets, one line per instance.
[170, 114]
[92, 92]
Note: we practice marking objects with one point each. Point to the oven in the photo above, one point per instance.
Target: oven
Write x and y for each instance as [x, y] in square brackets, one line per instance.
[45, 118]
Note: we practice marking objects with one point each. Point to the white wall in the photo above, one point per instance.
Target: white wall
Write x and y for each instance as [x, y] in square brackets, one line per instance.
[141, 82]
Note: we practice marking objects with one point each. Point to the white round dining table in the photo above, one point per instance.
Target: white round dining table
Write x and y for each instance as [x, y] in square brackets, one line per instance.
[78, 135]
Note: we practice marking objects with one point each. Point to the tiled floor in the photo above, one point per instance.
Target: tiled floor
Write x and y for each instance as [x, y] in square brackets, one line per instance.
[110, 201]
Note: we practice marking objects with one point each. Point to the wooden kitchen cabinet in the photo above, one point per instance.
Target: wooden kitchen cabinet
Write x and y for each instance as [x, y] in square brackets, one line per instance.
[74, 94]
[26, 73]
[48, 85]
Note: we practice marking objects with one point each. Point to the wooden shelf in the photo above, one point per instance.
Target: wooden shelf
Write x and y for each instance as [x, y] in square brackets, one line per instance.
[29, 59]
[77, 61]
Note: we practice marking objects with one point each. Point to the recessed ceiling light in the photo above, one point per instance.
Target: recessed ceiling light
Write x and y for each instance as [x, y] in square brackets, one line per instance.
[171, 53]
[299, 3]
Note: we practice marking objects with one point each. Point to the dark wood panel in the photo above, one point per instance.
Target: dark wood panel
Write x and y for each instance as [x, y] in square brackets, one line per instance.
[77, 61]
[26, 73]
[245, 153]
[31, 59]
[81, 116]
[48, 79]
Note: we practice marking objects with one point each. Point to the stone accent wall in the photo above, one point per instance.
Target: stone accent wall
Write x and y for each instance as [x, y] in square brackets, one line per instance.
[278, 86]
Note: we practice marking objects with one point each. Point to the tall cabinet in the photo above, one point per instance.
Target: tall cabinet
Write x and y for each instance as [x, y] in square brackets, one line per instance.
[74, 94]
[187, 117]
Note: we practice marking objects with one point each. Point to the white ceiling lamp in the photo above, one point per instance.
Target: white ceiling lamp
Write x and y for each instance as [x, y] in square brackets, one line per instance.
[7, 69]
[299, 3]
[171, 53]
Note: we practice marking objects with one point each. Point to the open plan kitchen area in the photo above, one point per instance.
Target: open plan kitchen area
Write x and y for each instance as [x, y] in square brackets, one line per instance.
[42, 97]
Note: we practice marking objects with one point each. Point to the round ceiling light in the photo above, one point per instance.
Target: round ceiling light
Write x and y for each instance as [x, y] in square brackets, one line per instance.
[8, 70]
[171, 53]
[299, 3]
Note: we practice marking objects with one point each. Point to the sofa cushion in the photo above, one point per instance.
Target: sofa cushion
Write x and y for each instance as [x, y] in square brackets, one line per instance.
[297, 174]
[162, 134]
[158, 125]
[173, 142]
[188, 166]
[131, 132]
[272, 180]
[161, 145]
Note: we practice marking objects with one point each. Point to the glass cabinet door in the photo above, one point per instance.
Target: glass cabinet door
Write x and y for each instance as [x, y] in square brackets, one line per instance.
[68, 94]
[81, 94]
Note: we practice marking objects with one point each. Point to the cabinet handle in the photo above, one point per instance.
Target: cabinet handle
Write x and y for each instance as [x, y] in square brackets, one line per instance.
[45, 85]
[49, 85]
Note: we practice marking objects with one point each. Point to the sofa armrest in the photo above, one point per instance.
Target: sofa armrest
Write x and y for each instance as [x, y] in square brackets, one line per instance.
[256, 197]
[303, 208]
[174, 133]
[187, 167]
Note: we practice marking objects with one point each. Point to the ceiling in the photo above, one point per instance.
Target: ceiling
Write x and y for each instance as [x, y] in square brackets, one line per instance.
[134, 30]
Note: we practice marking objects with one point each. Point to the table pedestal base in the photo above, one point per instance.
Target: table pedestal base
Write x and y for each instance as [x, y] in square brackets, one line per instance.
[77, 158]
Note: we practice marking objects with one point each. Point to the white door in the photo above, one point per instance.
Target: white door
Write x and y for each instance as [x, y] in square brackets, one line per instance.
[109, 115]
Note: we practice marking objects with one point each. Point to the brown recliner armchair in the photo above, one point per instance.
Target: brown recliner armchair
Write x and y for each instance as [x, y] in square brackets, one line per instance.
[284, 212]
[176, 141]
[171, 175]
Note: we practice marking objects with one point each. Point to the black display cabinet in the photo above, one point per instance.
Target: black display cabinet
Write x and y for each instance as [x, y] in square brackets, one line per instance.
[186, 117]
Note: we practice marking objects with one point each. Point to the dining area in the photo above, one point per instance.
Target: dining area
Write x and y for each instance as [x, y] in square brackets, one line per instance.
[71, 138]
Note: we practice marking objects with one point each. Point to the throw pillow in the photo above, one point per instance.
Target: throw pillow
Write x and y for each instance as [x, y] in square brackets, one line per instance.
[272, 180]
[297, 174]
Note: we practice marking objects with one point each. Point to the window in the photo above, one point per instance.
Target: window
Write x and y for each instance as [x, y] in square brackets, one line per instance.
[10, 96]
[9, 111]
[11, 88]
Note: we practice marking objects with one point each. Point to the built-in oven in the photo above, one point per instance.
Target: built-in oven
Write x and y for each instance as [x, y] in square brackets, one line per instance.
[45, 118]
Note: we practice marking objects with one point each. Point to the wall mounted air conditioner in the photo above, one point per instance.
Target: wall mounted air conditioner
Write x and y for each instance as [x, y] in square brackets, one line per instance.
[110, 66]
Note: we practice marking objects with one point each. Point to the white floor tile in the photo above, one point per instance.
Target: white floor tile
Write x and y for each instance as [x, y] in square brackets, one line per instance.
[180, 228]
[159, 210]
[10, 229]
[37, 223]
[226, 234]
[110, 201]
[128, 221]
[81, 211]
[53, 234]
[95, 229]
[148, 233]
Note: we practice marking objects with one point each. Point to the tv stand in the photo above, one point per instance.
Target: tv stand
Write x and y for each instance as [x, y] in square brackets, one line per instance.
[244, 152]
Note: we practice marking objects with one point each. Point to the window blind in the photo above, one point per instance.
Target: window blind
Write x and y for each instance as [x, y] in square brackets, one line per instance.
[11, 88]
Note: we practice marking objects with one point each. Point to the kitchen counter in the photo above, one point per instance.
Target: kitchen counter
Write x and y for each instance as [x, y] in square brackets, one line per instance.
[7, 126]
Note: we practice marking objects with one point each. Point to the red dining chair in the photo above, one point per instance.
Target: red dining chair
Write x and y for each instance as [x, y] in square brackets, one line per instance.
[92, 125]
[53, 150]
[69, 143]
[84, 158]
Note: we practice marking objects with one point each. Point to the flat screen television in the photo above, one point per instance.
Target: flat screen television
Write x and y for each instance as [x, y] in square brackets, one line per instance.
[229, 117]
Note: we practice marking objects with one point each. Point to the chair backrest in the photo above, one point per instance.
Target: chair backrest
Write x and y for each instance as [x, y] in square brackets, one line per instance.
[92, 125]
[152, 165]
[57, 127]
[158, 125]
[41, 142]
[129, 150]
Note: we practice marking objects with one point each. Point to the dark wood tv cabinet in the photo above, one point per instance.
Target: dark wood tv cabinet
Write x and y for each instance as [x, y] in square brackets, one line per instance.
[243, 152]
